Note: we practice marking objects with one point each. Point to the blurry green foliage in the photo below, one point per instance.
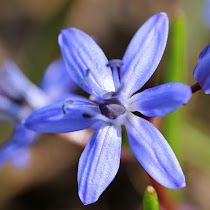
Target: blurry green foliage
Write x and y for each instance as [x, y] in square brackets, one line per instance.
[44, 45]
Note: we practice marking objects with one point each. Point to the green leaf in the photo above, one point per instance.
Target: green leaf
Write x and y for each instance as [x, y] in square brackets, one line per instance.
[176, 65]
[150, 199]
[176, 68]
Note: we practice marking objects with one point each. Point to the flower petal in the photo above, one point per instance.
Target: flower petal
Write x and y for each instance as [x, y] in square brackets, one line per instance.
[99, 163]
[144, 53]
[21, 158]
[16, 149]
[19, 85]
[206, 13]
[202, 73]
[97, 125]
[56, 80]
[161, 100]
[11, 112]
[154, 153]
[204, 52]
[78, 114]
[86, 62]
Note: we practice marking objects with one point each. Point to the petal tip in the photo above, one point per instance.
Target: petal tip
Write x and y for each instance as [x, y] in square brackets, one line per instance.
[183, 185]
[163, 14]
[164, 18]
[87, 200]
[63, 35]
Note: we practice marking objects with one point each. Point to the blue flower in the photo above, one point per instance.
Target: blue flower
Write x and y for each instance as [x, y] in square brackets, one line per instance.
[202, 70]
[19, 97]
[206, 13]
[113, 104]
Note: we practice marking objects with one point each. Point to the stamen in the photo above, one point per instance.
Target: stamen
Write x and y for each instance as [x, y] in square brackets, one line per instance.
[115, 64]
[118, 91]
[84, 80]
[119, 120]
[117, 94]
[116, 78]
[67, 102]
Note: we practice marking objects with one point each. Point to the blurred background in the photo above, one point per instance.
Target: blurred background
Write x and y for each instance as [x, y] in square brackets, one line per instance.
[28, 35]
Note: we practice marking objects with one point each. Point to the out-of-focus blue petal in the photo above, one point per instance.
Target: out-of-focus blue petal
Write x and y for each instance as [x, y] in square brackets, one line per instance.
[206, 13]
[154, 153]
[56, 80]
[99, 163]
[86, 62]
[64, 116]
[21, 158]
[11, 112]
[205, 51]
[202, 73]
[21, 86]
[161, 100]
[16, 148]
[144, 53]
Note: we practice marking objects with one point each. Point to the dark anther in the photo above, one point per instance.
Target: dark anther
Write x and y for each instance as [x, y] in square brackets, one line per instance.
[85, 115]
[19, 100]
[115, 63]
[67, 102]
[112, 108]
[84, 80]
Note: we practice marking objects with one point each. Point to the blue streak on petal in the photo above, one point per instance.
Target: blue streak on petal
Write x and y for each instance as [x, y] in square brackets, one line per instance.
[52, 119]
[161, 100]
[154, 153]
[99, 163]
[86, 62]
[202, 73]
[56, 80]
[144, 53]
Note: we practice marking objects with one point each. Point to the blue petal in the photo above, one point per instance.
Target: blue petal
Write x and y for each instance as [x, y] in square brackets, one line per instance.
[205, 51]
[86, 62]
[97, 125]
[206, 13]
[12, 112]
[18, 84]
[99, 163]
[144, 53]
[161, 100]
[56, 80]
[64, 116]
[202, 73]
[16, 148]
[21, 158]
[154, 153]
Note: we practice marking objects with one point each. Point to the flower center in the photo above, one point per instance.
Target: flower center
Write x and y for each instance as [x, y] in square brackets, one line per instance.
[112, 108]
